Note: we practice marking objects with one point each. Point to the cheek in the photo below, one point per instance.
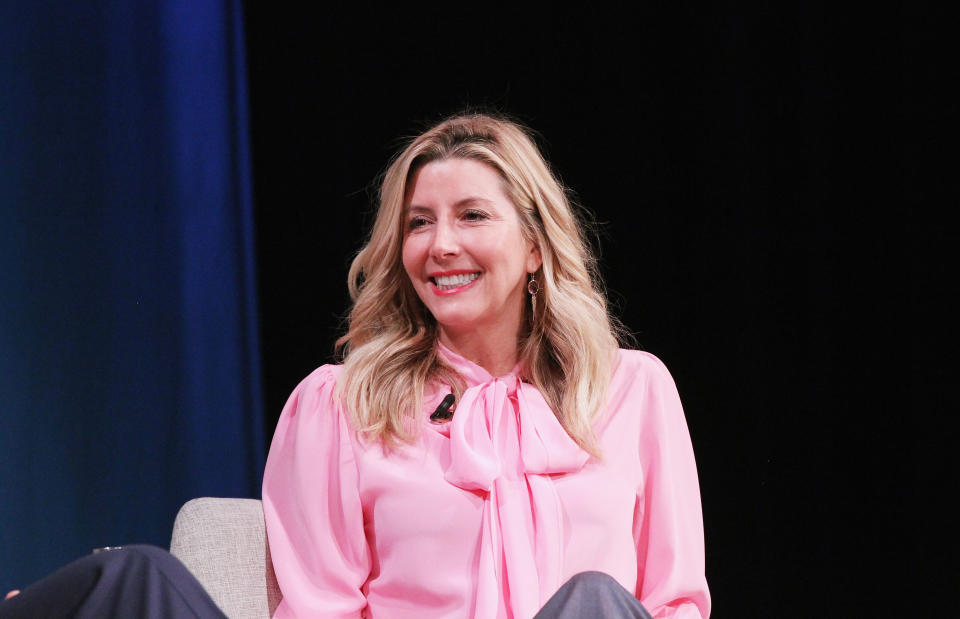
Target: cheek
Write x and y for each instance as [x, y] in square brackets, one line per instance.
[412, 258]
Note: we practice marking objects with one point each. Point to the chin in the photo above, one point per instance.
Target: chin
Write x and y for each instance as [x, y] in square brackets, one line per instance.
[457, 322]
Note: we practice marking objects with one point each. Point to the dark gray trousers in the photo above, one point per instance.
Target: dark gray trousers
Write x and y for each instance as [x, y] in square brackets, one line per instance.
[592, 595]
[135, 581]
[145, 581]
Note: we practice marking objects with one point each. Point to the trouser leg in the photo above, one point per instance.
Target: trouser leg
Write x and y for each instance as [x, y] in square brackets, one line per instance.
[592, 595]
[136, 581]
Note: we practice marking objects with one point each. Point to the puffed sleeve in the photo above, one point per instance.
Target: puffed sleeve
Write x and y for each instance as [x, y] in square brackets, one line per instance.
[311, 506]
[669, 526]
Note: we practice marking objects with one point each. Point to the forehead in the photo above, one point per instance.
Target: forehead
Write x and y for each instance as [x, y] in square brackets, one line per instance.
[449, 181]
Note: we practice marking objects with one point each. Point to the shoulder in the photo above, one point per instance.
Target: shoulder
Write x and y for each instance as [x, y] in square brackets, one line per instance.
[640, 369]
[323, 375]
[642, 388]
[317, 390]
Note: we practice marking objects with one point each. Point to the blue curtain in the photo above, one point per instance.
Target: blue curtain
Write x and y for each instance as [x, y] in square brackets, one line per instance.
[129, 356]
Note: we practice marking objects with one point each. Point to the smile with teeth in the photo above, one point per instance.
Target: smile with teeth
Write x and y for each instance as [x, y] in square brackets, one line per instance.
[449, 282]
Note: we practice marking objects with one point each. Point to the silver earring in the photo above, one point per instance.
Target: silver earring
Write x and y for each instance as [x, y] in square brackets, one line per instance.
[533, 287]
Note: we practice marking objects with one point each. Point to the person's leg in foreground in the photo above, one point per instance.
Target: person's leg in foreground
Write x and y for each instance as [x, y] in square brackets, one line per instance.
[135, 581]
[592, 595]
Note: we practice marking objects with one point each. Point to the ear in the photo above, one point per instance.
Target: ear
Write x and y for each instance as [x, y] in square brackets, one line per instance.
[534, 259]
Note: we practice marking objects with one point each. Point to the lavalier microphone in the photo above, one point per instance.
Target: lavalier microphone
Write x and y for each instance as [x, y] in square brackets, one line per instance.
[443, 412]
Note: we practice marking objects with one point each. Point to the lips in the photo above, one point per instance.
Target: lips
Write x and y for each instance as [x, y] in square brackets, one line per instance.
[447, 282]
[450, 282]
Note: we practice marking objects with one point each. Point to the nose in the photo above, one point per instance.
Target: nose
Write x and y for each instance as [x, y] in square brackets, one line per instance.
[446, 241]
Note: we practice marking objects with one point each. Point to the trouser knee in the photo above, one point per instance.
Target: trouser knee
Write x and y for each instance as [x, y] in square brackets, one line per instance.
[593, 581]
[133, 581]
[592, 595]
[135, 556]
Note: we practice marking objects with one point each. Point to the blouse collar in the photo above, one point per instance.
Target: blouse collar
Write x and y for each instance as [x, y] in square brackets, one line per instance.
[472, 372]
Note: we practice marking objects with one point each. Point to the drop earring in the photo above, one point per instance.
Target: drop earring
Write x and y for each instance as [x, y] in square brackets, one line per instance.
[533, 287]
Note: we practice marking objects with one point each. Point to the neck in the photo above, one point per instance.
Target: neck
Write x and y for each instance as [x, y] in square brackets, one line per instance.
[494, 352]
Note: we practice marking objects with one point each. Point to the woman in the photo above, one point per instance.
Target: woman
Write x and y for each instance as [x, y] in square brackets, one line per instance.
[562, 485]
[563, 454]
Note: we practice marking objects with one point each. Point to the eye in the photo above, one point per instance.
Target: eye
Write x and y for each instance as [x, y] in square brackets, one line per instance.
[475, 215]
[417, 221]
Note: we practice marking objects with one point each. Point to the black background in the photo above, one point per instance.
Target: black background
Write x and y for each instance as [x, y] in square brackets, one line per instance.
[761, 181]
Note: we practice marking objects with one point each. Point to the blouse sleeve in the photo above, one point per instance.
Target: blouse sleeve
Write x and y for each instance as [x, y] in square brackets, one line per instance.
[311, 506]
[669, 527]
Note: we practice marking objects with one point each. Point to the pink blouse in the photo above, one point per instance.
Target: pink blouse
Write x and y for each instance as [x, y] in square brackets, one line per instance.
[486, 515]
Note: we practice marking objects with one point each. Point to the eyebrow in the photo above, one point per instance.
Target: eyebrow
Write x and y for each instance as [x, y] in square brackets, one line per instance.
[458, 204]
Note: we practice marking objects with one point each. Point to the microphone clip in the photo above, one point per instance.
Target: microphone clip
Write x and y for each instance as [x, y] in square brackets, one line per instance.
[443, 412]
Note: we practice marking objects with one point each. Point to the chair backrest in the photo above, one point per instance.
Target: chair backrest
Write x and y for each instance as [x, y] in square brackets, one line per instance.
[223, 543]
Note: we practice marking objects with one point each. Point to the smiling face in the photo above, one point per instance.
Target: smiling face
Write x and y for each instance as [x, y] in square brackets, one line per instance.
[464, 250]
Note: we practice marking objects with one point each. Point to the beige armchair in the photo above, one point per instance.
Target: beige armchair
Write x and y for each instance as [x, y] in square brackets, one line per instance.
[223, 543]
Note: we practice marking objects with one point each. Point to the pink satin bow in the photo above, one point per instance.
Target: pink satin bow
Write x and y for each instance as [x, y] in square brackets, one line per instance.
[506, 441]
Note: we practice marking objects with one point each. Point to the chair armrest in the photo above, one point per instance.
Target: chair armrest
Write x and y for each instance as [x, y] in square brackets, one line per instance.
[223, 544]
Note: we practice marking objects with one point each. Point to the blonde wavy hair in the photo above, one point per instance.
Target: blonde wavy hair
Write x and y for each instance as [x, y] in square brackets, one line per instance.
[568, 349]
